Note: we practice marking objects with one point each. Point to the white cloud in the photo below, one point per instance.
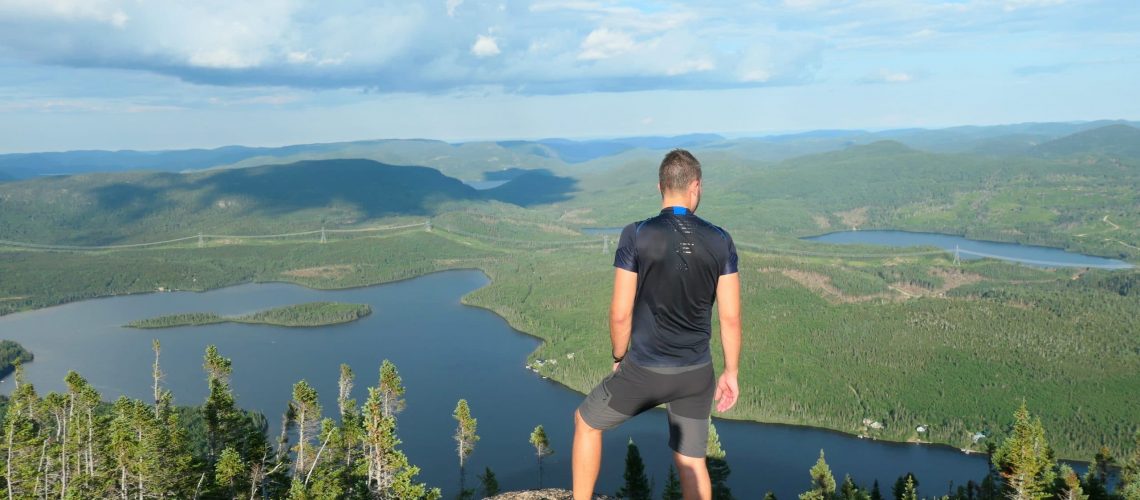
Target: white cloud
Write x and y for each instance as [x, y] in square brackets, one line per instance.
[223, 58]
[451, 6]
[603, 43]
[888, 76]
[690, 66]
[485, 46]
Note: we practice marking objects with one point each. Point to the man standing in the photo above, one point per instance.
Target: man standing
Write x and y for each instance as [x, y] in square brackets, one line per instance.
[669, 271]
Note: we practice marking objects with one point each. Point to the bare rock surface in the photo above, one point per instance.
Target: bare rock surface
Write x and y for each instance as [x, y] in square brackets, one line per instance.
[547, 494]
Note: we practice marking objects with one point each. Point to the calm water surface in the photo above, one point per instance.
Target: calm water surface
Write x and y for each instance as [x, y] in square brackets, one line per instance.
[444, 351]
[1028, 254]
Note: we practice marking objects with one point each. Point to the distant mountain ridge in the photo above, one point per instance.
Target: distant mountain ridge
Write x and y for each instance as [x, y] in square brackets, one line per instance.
[472, 160]
[1117, 140]
[119, 207]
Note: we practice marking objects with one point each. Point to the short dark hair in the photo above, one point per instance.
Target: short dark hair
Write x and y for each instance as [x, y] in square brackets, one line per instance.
[678, 170]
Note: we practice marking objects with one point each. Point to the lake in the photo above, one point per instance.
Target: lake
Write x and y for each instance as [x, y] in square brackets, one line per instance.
[444, 351]
[973, 249]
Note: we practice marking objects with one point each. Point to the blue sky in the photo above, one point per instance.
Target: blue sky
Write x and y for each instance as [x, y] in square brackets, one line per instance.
[117, 74]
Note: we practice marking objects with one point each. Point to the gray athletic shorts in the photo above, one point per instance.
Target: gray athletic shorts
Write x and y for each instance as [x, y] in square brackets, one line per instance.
[686, 391]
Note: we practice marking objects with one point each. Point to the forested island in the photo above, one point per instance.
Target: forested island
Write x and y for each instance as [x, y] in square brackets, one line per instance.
[12, 354]
[308, 314]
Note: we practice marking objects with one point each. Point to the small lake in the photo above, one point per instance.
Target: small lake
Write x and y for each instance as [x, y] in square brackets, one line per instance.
[444, 351]
[484, 185]
[973, 249]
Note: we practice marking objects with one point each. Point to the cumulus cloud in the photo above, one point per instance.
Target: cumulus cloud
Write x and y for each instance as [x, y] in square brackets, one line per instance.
[888, 76]
[546, 47]
[451, 6]
[603, 43]
[485, 46]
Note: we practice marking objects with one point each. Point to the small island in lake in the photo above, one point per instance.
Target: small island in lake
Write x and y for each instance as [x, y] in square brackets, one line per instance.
[12, 353]
[300, 315]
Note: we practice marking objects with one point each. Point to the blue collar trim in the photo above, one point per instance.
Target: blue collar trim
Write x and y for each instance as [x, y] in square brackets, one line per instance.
[679, 210]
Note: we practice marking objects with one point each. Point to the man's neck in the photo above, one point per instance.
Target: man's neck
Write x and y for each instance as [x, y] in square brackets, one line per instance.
[676, 201]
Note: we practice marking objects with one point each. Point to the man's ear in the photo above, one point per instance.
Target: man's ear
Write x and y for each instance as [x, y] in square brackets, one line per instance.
[659, 189]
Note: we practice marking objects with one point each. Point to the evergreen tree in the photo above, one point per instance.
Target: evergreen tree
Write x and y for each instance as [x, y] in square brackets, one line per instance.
[542, 449]
[465, 438]
[898, 491]
[769, 496]
[390, 476]
[717, 466]
[636, 485]
[1129, 487]
[22, 439]
[848, 491]
[875, 493]
[229, 470]
[1093, 487]
[909, 490]
[1025, 460]
[391, 389]
[1068, 485]
[307, 418]
[672, 486]
[490, 484]
[822, 481]
[220, 409]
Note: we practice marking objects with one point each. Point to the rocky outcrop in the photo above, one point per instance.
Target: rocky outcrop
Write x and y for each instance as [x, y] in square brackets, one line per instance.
[547, 494]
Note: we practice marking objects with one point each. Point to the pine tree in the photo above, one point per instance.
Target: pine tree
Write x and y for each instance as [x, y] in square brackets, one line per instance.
[909, 491]
[1129, 487]
[391, 389]
[848, 491]
[636, 483]
[1025, 460]
[220, 409]
[228, 470]
[347, 447]
[390, 476]
[307, 411]
[465, 438]
[22, 439]
[717, 466]
[672, 486]
[490, 484]
[1068, 485]
[875, 493]
[898, 491]
[769, 496]
[822, 482]
[542, 449]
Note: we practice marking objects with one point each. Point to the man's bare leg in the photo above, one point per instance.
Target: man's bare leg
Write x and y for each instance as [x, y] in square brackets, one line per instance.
[695, 483]
[586, 458]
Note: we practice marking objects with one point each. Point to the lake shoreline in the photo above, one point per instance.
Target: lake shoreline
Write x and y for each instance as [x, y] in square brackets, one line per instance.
[490, 280]
[817, 238]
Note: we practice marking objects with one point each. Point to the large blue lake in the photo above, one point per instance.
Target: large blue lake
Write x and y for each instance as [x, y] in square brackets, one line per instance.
[445, 351]
[973, 249]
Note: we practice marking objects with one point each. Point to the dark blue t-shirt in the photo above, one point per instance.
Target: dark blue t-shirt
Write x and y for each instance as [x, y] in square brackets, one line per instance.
[678, 258]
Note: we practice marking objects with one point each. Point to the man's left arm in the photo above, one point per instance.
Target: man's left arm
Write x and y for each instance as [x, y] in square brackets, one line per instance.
[728, 307]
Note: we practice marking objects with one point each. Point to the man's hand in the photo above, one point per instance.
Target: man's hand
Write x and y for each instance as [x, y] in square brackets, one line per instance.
[727, 391]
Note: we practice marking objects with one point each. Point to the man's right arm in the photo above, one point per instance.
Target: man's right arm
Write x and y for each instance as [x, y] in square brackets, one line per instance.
[728, 307]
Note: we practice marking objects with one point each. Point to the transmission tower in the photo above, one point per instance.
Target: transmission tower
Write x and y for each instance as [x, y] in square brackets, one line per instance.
[957, 257]
[200, 241]
[605, 244]
[323, 239]
[428, 225]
